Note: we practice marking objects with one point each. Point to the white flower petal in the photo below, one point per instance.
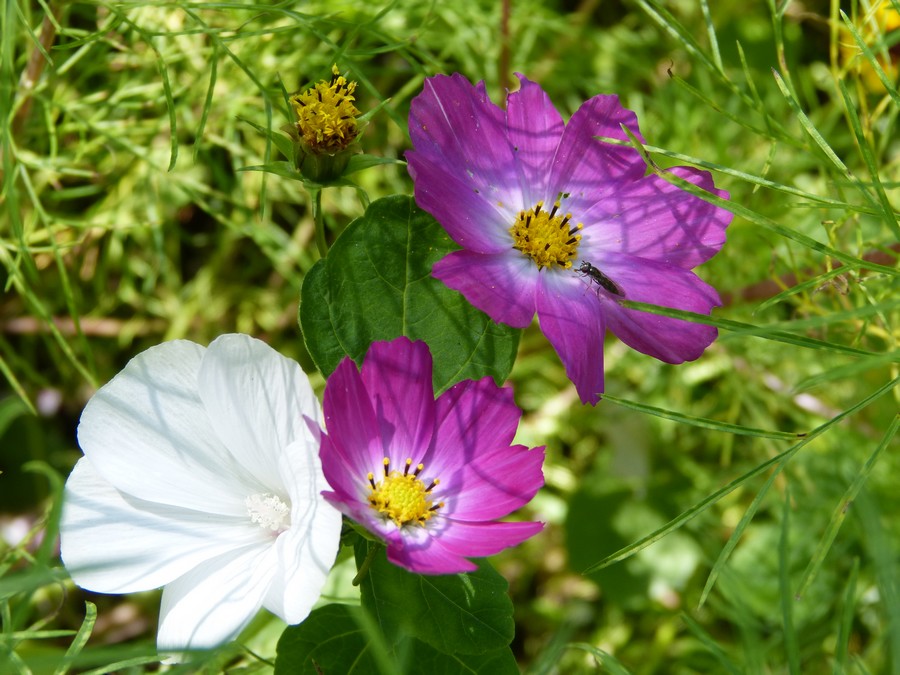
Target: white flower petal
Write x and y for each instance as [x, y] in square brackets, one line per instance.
[112, 543]
[306, 551]
[256, 399]
[147, 433]
[214, 602]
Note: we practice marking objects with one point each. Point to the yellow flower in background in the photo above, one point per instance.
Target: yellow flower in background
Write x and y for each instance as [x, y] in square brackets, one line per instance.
[326, 127]
[879, 29]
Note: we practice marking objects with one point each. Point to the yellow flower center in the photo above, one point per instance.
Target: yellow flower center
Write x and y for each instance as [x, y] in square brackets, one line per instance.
[402, 496]
[326, 116]
[545, 236]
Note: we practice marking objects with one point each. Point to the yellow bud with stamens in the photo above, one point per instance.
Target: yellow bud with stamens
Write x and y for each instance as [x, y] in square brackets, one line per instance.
[326, 127]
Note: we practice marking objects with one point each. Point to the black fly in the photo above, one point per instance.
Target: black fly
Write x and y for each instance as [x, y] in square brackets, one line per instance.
[589, 270]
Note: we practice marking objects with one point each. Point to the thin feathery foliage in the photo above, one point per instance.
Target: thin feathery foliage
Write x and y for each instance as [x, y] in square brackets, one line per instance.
[735, 514]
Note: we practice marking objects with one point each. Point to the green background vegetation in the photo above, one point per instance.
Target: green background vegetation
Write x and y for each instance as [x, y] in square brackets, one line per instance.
[748, 500]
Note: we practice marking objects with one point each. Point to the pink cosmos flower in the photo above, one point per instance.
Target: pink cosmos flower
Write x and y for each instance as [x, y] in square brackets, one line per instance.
[554, 221]
[429, 477]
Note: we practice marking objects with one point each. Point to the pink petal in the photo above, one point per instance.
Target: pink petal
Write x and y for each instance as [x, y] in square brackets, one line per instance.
[476, 540]
[397, 376]
[651, 218]
[571, 317]
[586, 168]
[340, 471]
[473, 418]
[427, 556]
[501, 285]
[351, 423]
[670, 340]
[463, 165]
[535, 129]
[494, 487]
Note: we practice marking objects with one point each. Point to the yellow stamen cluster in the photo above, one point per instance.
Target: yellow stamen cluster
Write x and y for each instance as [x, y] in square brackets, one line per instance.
[402, 496]
[326, 116]
[545, 236]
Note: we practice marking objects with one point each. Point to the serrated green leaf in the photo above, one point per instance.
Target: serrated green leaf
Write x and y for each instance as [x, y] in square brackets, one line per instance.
[455, 613]
[377, 285]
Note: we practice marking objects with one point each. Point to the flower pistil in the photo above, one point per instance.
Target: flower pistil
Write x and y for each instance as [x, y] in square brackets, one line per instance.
[545, 236]
[402, 496]
[269, 511]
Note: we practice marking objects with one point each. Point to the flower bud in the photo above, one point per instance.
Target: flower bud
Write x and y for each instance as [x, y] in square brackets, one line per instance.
[326, 129]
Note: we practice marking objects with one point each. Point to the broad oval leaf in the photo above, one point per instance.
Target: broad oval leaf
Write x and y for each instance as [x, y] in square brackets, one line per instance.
[376, 284]
[455, 613]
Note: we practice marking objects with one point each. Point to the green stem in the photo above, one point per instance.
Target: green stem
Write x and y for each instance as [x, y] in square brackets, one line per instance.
[319, 218]
[366, 564]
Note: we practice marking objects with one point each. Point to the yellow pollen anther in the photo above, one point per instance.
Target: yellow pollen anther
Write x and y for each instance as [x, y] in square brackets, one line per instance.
[326, 116]
[545, 236]
[402, 496]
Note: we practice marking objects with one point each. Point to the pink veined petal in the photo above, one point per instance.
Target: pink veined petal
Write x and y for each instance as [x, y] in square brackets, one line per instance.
[340, 472]
[588, 169]
[651, 218]
[670, 340]
[398, 378]
[464, 168]
[351, 422]
[256, 400]
[428, 556]
[535, 129]
[492, 488]
[360, 512]
[214, 602]
[473, 419]
[501, 285]
[112, 543]
[477, 540]
[147, 433]
[571, 317]
[306, 551]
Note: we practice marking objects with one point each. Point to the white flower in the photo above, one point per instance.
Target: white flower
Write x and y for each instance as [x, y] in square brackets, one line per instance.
[201, 474]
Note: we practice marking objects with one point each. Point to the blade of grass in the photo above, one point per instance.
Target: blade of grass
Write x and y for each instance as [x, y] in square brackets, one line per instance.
[703, 423]
[791, 642]
[607, 660]
[80, 640]
[840, 512]
[862, 143]
[845, 625]
[871, 58]
[810, 284]
[711, 34]
[777, 461]
[711, 645]
[746, 329]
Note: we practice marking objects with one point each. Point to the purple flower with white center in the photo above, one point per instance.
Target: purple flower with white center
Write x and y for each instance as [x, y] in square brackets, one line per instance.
[429, 477]
[201, 474]
[554, 221]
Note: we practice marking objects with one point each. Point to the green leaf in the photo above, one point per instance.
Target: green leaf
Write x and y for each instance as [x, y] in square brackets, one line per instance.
[377, 285]
[455, 613]
[339, 639]
[330, 640]
[363, 161]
